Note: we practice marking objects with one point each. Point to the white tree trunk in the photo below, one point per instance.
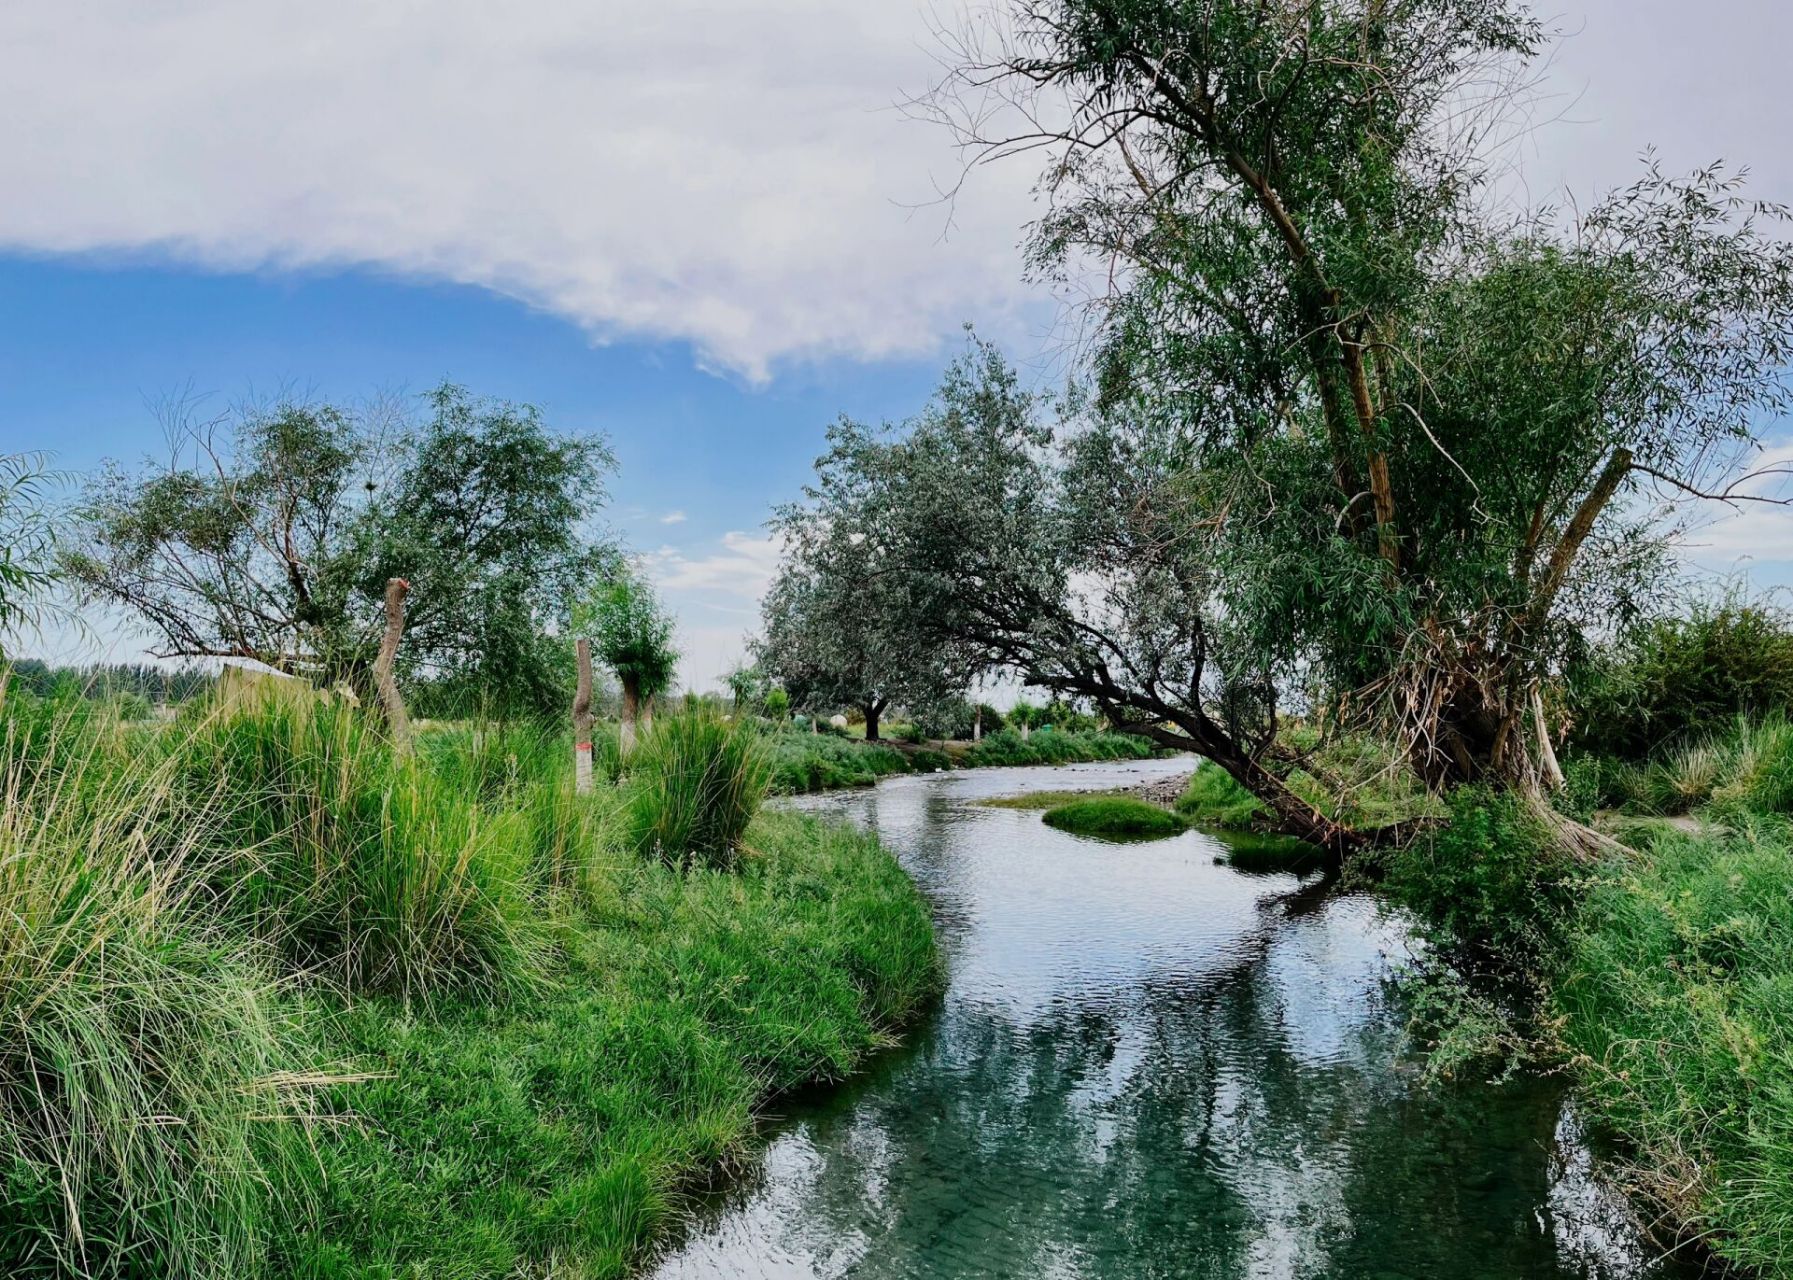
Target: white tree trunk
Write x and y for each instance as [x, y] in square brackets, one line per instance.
[1547, 763]
[582, 775]
[631, 709]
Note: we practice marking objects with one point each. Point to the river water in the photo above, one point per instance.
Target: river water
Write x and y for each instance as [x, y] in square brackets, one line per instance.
[1148, 1064]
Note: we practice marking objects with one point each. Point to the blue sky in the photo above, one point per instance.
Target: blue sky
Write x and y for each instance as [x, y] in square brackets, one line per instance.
[88, 349]
[702, 228]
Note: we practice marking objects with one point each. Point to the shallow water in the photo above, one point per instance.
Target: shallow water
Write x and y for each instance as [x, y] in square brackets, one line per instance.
[1150, 1065]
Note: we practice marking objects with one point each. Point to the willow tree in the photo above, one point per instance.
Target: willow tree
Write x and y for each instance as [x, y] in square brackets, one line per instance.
[632, 634]
[1348, 437]
[840, 625]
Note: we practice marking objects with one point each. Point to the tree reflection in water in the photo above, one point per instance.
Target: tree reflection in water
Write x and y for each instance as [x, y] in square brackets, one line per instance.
[1148, 1065]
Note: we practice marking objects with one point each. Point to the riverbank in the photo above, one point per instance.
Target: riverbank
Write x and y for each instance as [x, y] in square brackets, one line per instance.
[432, 1015]
[809, 762]
[1660, 977]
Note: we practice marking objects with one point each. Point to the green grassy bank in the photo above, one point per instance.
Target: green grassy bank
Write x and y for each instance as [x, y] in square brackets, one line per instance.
[1660, 974]
[290, 1005]
[803, 761]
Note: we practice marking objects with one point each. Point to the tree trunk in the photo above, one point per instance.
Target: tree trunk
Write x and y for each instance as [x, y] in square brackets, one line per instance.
[631, 710]
[582, 720]
[872, 711]
[977, 723]
[398, 721]
[647, 713]
[1552, 771]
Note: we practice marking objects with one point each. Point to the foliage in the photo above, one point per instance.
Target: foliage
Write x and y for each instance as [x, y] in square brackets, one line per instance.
[1214, 799]
[1676, 999]
[695, 783]
[272, 537]
[1670, 680]
[107, 680]
[28, 574]
[804, 761]
[839, 618]
[1347, 433]
[631, 633]
[1053, 747]
[1114, 816]
[777, 706]
[1493, 883]
[928, 760]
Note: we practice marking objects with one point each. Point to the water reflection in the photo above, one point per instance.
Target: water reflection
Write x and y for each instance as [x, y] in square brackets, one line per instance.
[1149, 1065]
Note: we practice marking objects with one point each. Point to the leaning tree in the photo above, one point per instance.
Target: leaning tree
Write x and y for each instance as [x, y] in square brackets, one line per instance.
[1348, 437]
[272, 534]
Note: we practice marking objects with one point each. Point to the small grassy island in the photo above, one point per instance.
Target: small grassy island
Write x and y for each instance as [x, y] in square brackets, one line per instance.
[1114, 816]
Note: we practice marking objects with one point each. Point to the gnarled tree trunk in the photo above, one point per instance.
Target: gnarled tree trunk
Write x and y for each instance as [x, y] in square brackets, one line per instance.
[398, 721]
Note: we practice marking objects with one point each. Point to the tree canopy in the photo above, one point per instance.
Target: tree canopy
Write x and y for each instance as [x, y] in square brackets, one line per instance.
[840, 624]
[270, 535]
[1348, 438]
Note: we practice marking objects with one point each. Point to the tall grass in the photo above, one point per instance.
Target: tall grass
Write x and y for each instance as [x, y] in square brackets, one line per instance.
[696, 781]
[139, 1047]
[194, 916]
[372, 870]
[1678, 1003]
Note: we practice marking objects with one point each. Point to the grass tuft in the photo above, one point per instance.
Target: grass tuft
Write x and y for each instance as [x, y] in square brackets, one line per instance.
[1114, 816]
[696, 781]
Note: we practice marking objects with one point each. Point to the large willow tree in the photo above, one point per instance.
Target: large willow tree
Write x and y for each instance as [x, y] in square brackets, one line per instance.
[1351, 441]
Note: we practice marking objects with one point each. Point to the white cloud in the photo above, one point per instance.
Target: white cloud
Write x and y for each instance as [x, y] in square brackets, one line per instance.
[715, 594]
[730, 174]
[742, 568]
[673, 517]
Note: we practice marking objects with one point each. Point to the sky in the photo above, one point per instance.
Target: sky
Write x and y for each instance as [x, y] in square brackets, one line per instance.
[702, 229]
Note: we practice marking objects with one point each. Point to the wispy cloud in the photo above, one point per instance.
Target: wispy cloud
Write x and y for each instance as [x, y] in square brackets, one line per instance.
[673, 517]
[742, 566]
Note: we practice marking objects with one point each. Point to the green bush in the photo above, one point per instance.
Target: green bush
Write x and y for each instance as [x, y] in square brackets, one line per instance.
[1492, 883]
[1674, 679]
[927, 760]
[1214, 798]
[803, 761]
[1055, 746]
[1114, 816]
[695, 782]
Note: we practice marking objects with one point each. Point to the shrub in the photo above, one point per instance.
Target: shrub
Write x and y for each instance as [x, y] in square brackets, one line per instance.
[1214, 798]
[1493, 882]
[1052, 746]
[1678, 677]
[803, 761]
[1114, 816]
[696, 782]
[928, 760]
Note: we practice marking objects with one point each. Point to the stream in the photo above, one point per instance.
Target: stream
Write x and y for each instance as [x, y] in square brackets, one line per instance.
[1148, 1064]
